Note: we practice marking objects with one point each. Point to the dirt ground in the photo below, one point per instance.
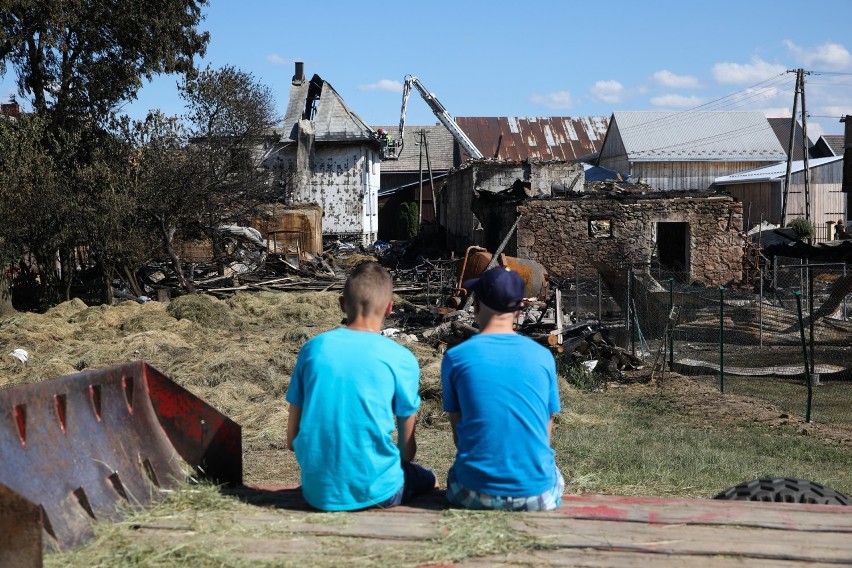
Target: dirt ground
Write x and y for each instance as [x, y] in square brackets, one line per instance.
[707, 405]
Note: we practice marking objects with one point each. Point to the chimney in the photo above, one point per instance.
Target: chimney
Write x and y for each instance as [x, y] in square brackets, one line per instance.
[299, 76]
[11, 108]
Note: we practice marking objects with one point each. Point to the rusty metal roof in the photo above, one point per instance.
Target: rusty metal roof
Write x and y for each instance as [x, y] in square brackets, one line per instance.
[544, 138]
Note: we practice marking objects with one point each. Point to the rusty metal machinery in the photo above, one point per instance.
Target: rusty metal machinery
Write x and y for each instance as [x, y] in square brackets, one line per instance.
[84, 447]
[476, 259]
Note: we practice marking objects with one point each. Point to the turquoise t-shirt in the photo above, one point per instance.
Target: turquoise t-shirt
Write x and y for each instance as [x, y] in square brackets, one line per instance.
[504, 385]
[351, 386]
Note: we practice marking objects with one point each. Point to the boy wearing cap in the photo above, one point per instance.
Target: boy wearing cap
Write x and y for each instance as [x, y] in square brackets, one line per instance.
[350, 389]
[500, 392]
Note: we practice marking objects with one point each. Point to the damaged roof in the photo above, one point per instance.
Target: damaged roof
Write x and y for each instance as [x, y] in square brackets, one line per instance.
[545, 138]
[438, 139]
[774, 172]
[663, 136]
[317, 101]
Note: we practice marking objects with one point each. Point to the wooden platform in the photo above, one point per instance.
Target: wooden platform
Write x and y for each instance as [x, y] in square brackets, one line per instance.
[588, 530]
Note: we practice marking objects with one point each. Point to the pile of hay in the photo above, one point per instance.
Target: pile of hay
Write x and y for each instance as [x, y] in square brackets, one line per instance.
[237, 354]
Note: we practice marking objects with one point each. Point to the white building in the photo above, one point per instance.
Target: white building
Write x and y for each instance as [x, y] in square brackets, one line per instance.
[329, 157]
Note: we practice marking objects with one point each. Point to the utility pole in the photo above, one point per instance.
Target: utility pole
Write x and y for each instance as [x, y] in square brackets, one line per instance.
[790, 148]
[802, 74]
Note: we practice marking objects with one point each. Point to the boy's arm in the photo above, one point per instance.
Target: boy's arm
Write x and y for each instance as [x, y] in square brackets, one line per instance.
[454, 420]
[550, 429]
[405, 437]
[295, 416]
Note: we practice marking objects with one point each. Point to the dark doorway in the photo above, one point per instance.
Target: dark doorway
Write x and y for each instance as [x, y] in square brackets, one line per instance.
[673, 246]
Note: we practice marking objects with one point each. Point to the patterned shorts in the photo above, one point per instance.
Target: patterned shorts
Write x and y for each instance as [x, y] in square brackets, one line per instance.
[461, 496]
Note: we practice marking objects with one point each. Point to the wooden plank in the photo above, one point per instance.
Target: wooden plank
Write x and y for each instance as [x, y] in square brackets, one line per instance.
[584, 558]
[691, 540]
[655, 510]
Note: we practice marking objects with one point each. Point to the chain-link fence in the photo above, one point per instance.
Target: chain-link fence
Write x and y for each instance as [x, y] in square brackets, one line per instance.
[788, 340]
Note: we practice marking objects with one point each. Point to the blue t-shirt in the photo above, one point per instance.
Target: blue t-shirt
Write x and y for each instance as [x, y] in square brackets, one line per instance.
[351, 386]
[504, 386]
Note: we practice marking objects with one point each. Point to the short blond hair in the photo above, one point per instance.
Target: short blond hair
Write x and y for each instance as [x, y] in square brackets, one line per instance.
[367, 291]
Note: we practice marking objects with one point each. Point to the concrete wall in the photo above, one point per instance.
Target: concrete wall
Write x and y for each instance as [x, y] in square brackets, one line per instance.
[555, 232]
[344, 181]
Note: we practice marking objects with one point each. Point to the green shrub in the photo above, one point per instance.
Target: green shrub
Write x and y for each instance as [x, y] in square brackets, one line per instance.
[803, 228]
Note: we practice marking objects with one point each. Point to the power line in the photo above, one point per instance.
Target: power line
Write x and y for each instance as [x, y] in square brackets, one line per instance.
[673, 117]
[835, 73]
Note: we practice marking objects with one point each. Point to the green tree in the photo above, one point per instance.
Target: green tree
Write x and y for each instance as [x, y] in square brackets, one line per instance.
[33, 200]
[229, 116]
[165, 181]
[77, 61]
[84, 57]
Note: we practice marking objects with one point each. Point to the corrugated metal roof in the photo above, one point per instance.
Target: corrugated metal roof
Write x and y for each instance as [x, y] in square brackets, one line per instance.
[440, 143]
[659, 136]
[774, 172]
[333, 122]
[781, 127]
[835, 142]
[544, 138]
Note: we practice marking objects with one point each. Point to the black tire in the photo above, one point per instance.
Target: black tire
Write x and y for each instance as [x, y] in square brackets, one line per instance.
[785, 490]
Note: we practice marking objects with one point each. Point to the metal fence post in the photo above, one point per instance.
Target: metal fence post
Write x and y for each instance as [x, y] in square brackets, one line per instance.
[805, 356]
[844, 297]
[627, 323]
[721, 339]
[671, 331]
[760, 275]
[774, 278]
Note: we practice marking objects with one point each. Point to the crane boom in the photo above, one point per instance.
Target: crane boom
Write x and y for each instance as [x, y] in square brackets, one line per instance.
[440, 112]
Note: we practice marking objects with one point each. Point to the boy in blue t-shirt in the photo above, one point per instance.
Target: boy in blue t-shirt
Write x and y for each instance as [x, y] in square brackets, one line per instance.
[350, 389]
[500, 392]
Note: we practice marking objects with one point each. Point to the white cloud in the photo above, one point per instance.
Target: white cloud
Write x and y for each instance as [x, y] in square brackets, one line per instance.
[383, 85]
[776, 112]
[676, 101]
[555, 100]
[278, 60]
[608, 91]
[815, 130]
[834, 110]
[757, 70]
[668, 79]
[830, 56]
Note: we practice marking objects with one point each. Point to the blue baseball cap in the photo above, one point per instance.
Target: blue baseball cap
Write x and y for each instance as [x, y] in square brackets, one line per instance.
[499, 288]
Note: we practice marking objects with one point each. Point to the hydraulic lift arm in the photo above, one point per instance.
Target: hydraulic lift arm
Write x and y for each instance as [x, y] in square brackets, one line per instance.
[439, 110]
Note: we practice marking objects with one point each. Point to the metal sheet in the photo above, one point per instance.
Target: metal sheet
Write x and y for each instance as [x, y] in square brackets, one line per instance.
[86, 446]
[543, 138]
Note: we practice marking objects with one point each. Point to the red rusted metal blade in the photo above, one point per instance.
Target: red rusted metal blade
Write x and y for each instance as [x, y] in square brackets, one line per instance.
[20, 530]
[86, 446]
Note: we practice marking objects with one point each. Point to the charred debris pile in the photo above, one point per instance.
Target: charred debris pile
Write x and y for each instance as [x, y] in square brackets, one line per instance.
[431, 304]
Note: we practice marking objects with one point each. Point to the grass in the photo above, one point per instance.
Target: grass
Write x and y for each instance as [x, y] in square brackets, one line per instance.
[643, 443]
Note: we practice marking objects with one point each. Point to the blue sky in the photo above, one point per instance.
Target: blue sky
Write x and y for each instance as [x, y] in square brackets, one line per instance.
[538, 57]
